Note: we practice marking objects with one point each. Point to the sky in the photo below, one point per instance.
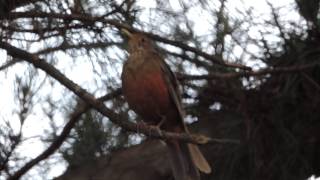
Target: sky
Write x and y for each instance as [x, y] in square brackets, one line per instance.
[33, 146]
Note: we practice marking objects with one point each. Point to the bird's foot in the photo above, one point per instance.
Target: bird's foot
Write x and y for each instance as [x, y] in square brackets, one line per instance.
[157, 127]
[149, 126]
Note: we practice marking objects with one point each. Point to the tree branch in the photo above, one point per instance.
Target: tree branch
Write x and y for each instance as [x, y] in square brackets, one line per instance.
[86, 18]
[81, 108]
[96, 104]
[8, 5]
[8, 64]
[63, 47]
[276, 70]
[311, 81]
[74, 118]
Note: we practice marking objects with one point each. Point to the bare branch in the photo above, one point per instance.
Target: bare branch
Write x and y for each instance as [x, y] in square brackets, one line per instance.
[277, 70]
[9, 63]
[8, 5]
[213, 58]
[311, 81]
[96, 104]
[85, 18]
[64, 47]
[74, 118]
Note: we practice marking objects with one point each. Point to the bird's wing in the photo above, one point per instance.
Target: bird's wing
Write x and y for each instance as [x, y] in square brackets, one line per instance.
[173, 86]
[172, 82]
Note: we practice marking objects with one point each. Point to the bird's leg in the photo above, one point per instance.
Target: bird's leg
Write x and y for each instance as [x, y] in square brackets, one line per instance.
[163, 119]
[158, 125]
[143, 124]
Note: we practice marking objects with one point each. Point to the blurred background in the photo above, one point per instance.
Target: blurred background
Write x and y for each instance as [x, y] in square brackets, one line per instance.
[249, 73]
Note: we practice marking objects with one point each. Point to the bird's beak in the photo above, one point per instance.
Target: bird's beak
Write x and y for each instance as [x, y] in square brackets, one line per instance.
[126, 32]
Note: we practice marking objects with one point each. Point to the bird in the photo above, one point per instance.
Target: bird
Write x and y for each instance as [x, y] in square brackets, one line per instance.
[152, 91]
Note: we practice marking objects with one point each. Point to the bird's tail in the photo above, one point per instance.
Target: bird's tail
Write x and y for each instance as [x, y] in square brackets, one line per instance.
[186, 159]
[181, 161]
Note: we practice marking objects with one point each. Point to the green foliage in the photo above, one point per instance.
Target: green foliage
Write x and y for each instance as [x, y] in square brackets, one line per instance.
[92, 138]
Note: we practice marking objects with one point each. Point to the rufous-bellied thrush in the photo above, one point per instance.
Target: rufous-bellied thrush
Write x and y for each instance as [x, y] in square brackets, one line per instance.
[152, 91]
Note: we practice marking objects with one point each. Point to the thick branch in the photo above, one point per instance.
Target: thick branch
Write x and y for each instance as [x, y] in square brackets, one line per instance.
[92, 101]
[96, 104]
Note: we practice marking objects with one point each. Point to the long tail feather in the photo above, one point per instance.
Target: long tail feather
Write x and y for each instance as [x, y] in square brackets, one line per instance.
[198, 159]
[181, 161]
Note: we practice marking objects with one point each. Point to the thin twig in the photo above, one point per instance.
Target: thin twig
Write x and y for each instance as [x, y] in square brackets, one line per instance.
[86, 18]
[276, 70]
[311, 81]
[63, 47]
[9, 63]
[74, 118]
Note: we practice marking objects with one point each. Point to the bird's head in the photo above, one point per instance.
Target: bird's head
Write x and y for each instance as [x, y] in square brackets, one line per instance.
[138, 41]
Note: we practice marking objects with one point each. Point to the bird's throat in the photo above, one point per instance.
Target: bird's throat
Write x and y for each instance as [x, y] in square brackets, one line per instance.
[136, 60]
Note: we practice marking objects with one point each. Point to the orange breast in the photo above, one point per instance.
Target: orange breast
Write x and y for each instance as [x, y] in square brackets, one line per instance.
[147, 94]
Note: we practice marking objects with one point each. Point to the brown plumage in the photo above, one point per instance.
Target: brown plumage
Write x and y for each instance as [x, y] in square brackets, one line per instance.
[151, 90]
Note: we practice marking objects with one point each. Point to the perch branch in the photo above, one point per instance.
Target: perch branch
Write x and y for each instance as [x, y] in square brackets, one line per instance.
[96, 104]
